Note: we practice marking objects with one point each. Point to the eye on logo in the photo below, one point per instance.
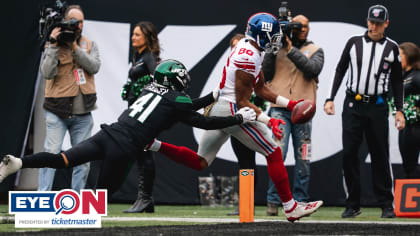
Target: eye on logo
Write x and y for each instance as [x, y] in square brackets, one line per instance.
[55, 209]
[64, 202]
[266, 26]
[244, 173]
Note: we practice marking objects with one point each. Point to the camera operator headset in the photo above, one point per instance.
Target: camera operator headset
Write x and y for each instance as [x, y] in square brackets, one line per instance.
[68, 65]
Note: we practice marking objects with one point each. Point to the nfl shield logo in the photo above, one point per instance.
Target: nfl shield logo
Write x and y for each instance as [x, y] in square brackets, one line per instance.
[376, 12]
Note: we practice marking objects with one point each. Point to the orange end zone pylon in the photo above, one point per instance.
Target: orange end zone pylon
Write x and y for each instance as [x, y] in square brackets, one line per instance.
[246, 195]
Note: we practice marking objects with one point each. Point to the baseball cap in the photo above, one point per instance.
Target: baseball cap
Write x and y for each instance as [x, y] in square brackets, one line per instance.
[377, 13]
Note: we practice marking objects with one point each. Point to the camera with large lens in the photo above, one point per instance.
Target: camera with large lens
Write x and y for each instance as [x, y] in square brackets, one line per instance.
[68, 30]
[52, 16]
[286, 24]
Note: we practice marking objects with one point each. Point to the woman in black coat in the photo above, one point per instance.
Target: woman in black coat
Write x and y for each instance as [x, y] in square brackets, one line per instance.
[145, 43]
[409, 137]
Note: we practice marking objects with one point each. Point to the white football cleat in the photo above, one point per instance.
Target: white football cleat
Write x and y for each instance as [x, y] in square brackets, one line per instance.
[302, 209]
[9, 165]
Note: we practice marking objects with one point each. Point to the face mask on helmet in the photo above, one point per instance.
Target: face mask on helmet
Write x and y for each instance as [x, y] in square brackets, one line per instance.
[172, 74]
[262, 28]
[275, 42]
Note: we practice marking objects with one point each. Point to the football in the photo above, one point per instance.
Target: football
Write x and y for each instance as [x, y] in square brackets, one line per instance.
[303, 112]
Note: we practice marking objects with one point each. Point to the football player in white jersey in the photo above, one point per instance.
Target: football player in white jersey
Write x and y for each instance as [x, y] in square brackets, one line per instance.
[241, 76]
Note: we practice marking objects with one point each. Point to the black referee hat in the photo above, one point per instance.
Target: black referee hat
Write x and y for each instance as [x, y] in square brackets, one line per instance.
[377, 13]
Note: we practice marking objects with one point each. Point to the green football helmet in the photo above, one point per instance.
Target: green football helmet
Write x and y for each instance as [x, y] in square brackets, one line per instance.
[172, 74]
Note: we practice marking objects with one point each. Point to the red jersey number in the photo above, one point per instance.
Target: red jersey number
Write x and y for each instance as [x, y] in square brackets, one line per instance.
[247, 51]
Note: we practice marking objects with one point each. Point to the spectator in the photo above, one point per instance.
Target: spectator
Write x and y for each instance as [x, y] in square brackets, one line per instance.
[293, 73]
[374, 61]
[70, 95]
[409, 136]
[145, 58]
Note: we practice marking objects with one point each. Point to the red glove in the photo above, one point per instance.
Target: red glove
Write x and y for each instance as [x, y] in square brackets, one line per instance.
[292, 104]
[274, 125]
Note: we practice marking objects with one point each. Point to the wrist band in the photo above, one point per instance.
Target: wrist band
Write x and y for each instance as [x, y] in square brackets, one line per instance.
[282, 101]
[263, 118]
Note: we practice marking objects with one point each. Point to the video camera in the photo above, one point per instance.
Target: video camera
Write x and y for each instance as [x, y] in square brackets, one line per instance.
[286, 24]
[51, 16]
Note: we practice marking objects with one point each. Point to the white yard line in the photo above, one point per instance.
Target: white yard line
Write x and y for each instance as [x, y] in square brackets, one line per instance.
[173, 219]
[234, 220]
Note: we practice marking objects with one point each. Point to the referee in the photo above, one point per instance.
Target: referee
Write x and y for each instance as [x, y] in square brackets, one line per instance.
[373, 63]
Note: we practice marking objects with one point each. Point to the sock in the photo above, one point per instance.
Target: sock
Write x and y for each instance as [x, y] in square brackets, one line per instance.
[278, 174]
[154, 146]
[290, 205]
[181, 155]
[44, 159]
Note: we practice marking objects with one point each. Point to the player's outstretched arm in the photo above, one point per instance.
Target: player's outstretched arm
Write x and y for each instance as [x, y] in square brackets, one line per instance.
[202, 102]
[197, 120]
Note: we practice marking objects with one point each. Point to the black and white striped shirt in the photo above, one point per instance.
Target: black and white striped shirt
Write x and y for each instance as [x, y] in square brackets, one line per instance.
[372, 65]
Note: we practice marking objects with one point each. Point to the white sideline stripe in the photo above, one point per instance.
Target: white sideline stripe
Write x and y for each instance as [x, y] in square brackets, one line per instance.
[173, 219]
[235, 220]
[361, 222]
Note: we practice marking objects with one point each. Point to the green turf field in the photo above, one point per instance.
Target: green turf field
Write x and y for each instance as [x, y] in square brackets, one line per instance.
[115, 210]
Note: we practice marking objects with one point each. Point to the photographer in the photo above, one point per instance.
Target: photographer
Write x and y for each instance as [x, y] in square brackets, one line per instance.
[68, 68]
[293, 72]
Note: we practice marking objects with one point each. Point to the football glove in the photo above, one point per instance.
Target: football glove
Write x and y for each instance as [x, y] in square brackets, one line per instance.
[274, 124]
[248, 114]
[292, 104]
